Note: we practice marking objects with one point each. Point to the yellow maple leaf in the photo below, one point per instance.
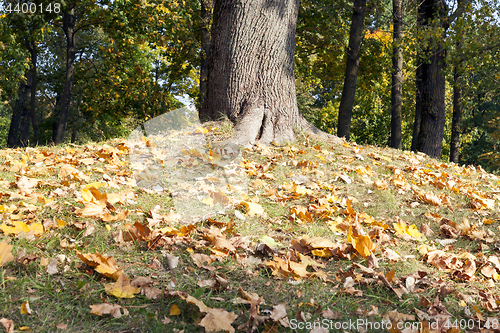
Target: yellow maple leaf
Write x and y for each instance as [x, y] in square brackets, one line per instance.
[252, 208]
[402, 229]
[122, 288]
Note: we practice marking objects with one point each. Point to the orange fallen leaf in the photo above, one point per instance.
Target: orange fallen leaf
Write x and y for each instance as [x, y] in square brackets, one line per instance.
[102, 264]
[361, 243]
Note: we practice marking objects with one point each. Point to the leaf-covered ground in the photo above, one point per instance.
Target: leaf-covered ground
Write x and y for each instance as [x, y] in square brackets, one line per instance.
[328, 237]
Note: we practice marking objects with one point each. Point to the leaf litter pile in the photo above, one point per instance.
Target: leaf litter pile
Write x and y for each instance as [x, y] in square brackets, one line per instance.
[325, 233]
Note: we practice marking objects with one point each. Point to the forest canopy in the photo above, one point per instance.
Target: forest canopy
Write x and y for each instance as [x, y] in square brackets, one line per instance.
[73, 71]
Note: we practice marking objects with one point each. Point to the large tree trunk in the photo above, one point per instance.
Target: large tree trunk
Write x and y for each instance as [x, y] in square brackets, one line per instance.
[251, 69]
[457, 115]
[430, 139]
[206, 17]
[69, 30]
[351, 71]
[397, 75]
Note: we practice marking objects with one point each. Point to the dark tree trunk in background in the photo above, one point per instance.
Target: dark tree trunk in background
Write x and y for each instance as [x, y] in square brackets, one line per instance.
[206, 17]
[25, 115]
[19, 109]
[351, 71]
[397, 75]
[69, 30]
[430, 139]
[457, 115]
[418, 103]
[434, 15]
[34, 53]
[251, 69]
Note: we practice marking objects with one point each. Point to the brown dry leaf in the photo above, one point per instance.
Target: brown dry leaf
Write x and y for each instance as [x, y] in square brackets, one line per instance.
[443, 260]
[25, 184]
[141, 281]
[216, 319]
[62, 326]
[391, 255]
[467, 272]
[279, 314]
[221, 243]
[7, 324]
[122, 288]
[52, 267]
[488, 271]
[106, 217]
[5, 253]
[102, 264]
[114, 310]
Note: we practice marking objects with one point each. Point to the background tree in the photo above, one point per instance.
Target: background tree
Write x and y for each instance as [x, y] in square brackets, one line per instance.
[351, 72]
[436, 19]
[397, 75]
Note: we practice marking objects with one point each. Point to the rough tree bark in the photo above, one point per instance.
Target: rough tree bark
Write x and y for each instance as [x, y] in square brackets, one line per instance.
[351, 71]
[69, 30]
[397, 75]
[430, 139]
[435, 15]
[251, 70]
[206, 17]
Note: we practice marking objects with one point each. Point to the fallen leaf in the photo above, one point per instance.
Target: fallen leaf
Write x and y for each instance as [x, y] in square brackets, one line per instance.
[174, 310]
[103, 265]
[252, 208]
[25, 308]
[52, 267]
[114, 310]
[122, 288]
[5, 253]
[7, 324]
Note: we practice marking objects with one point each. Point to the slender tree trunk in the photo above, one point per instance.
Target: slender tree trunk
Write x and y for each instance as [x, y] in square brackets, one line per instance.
[351, 71]
[418, 103]
[18, 110]
[430, 140]
[69, 30]
[34, 54]
[251, 69]
[397, 75]
[25, 111]
[457, 115]
[206, 17]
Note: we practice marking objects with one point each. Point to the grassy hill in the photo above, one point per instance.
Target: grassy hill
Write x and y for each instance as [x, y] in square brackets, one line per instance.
[326, 235]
